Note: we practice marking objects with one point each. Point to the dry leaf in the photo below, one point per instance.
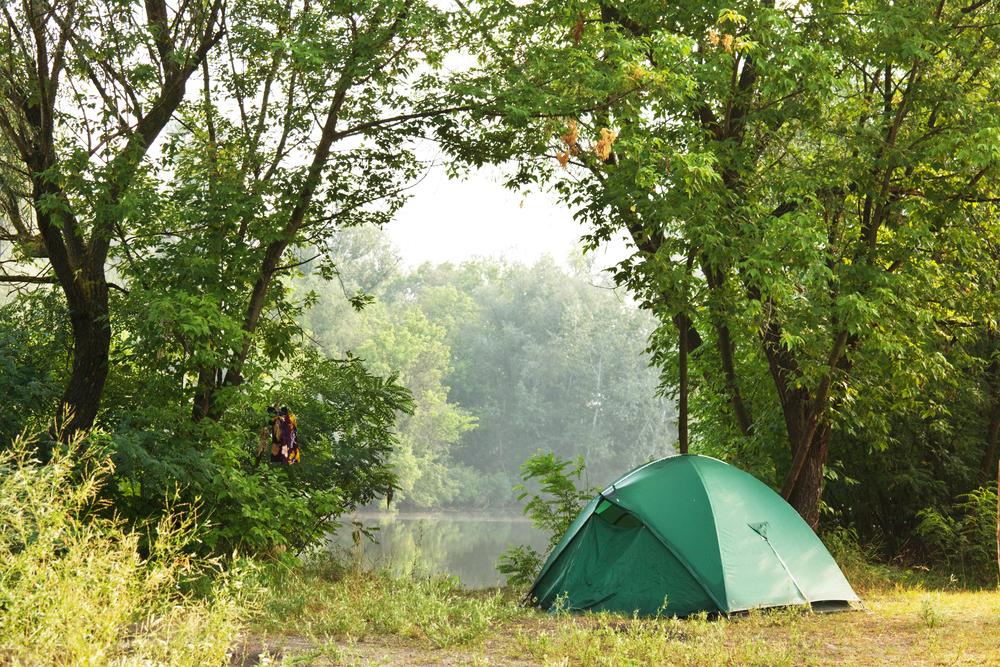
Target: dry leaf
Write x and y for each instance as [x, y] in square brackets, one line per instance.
[603, 146]
[578, 30]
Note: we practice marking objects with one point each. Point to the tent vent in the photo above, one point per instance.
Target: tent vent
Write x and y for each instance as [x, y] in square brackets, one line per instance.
[615, 515]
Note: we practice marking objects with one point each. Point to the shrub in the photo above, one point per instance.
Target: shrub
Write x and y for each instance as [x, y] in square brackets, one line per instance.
[963, 537]
[553, 511]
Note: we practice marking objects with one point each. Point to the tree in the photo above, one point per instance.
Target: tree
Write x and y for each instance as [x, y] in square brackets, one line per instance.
[791, 177]
[531, 356]
[261, 177]
[545, 360]
[169, 168]
[302, 125]
[86, 91]
[408, 344]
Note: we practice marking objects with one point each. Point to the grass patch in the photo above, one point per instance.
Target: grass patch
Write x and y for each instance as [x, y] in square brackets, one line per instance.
[362, 617]
[326, 598]
[74, 591]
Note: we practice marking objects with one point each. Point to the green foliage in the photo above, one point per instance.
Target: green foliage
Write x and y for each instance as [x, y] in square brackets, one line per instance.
[347, 416]
[963, 536]
[345, 419]
[560, 501]
[33, 352]
[529, 355]
[817, 230]
[520, 565]
[409, 344]
[551, 361]
[303, 126]
[833, 232]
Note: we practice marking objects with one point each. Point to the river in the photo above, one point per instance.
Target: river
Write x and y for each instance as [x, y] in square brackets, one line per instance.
[465, 546]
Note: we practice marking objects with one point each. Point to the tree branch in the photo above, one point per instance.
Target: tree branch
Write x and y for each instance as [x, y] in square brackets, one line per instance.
[48, 280]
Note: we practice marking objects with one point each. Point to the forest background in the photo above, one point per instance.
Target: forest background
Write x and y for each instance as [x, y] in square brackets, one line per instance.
[809, 191]
[503, 360]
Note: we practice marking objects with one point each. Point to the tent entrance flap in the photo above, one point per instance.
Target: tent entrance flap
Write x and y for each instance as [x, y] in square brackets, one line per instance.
[628, 570]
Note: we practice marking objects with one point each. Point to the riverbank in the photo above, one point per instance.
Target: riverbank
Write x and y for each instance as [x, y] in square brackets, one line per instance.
[462, 544]
[327, 616]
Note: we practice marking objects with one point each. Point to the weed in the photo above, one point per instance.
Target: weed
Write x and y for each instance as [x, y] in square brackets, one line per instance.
[361, 602]
[124, 610]
[930, 612]
[560, 607]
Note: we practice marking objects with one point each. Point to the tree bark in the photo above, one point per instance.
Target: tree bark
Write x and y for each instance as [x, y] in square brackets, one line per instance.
[682, 365]
[808, 489]
[994, 428]
[91, 345]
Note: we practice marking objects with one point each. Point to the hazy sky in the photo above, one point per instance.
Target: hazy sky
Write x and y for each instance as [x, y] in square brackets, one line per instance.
[453, 221]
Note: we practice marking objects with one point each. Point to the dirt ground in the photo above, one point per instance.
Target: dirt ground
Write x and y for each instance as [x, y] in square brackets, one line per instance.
[382, 651]
[906, 629]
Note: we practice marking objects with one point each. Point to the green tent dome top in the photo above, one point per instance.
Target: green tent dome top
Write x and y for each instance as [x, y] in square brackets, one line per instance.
[695, 531]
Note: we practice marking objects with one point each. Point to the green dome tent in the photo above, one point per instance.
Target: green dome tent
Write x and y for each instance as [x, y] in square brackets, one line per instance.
[702, 534]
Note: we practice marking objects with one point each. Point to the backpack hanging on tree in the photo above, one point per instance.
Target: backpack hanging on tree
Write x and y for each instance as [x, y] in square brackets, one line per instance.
[289, 437]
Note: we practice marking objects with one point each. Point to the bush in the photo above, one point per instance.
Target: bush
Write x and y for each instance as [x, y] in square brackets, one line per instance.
[553, 511]
[345, 423]
[963, 537]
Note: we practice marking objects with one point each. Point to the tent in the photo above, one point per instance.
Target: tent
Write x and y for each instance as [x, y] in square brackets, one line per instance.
[694, 530]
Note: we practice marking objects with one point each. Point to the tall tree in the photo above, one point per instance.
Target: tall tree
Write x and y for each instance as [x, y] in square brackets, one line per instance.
[306, 126]
[300, 122]
[85, 91]
[816, 159]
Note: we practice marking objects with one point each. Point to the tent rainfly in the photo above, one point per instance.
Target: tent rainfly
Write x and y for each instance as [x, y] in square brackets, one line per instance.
[696, 533]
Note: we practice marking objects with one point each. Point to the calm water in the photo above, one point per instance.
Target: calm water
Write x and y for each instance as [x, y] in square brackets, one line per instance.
[460, 545]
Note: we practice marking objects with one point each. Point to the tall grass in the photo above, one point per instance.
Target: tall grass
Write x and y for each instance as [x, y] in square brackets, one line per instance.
[330, 599]
[74, 589]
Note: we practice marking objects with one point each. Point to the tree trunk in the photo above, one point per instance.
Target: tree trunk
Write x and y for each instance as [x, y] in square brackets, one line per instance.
[808, 489]
[204, 394]
[682, 365]
[91, 344]
[993, 431]
[80, 272]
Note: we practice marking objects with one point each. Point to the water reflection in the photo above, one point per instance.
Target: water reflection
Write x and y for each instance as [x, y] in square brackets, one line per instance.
[464, 546]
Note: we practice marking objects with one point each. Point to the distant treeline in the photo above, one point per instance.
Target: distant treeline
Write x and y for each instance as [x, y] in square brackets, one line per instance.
[503, 359]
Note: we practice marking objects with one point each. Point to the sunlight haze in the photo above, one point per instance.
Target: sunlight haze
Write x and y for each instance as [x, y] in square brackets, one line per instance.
[456, 220]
